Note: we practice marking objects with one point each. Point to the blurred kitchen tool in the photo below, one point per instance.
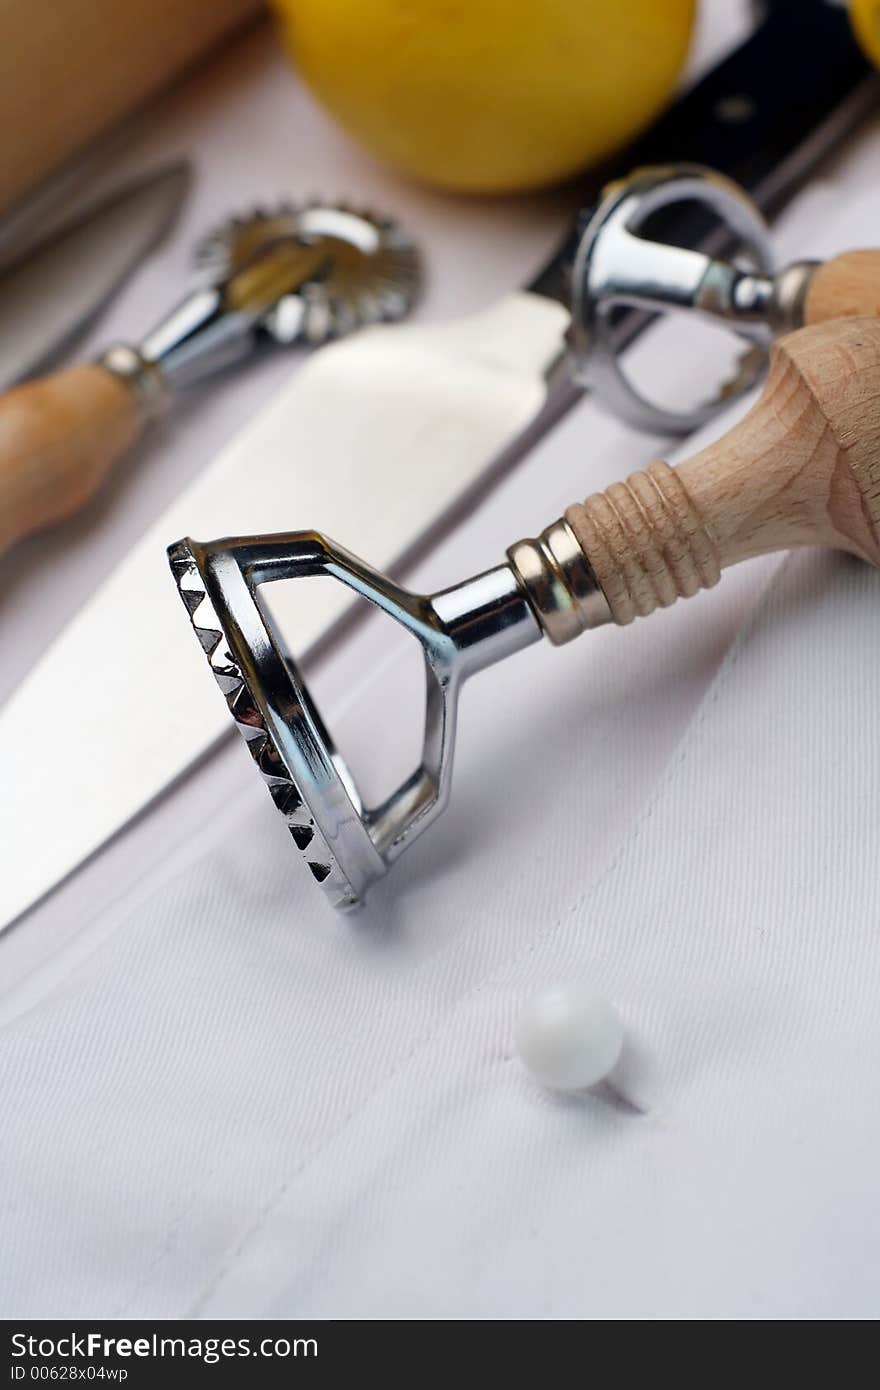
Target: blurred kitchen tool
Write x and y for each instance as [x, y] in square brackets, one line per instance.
[49, 298]
[616, 265]
[376, 439]
[72, 68]
[803, 468]
[294, 274]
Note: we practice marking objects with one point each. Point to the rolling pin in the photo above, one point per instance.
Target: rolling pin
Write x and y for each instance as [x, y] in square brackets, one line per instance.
[59, 436]
[71, 68]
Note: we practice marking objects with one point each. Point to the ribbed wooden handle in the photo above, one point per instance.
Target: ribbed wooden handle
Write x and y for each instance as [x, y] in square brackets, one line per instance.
[58, 439]
[844, 287]
[802, 468]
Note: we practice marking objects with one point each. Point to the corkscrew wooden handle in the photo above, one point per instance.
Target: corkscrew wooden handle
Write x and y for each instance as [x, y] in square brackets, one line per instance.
[846, 286]
[802, 468]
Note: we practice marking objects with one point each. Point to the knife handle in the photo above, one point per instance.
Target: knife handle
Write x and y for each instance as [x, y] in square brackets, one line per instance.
[59, 437]
[802, 468]
[846, 286]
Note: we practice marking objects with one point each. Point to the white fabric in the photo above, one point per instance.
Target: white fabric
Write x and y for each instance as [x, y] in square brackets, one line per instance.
[221, 1099]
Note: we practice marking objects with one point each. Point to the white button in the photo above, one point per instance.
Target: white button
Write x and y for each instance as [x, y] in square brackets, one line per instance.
[569, 1038]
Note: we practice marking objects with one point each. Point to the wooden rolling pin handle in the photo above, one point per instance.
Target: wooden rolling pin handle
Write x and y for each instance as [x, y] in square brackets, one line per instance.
[845, 287]
[59, 437]
[802, 468]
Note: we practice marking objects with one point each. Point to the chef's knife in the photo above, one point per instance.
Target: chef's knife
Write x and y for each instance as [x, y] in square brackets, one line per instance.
[374, 441]
[58, 290]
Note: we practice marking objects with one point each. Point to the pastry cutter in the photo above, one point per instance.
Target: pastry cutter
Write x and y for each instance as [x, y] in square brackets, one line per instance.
[290, 274]
[802, 468]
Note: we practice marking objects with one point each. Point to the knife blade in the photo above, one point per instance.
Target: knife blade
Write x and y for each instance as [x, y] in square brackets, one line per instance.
[48, 298]
[121, 696]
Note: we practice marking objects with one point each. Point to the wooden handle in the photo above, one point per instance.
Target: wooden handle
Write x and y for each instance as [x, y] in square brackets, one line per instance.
[72, 68]
[58, 439]
[845, 287]
[802, 468]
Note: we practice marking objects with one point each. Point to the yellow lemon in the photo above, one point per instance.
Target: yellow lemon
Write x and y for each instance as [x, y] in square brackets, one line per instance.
[490, 96]
[865, 15]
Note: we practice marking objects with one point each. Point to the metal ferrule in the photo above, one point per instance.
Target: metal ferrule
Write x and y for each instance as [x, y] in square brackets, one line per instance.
[198, 338]
[758, 306]
[562, 590]
[790, 287]
[143, 379]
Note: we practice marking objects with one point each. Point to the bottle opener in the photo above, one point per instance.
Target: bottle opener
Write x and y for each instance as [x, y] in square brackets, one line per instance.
[620, 261]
